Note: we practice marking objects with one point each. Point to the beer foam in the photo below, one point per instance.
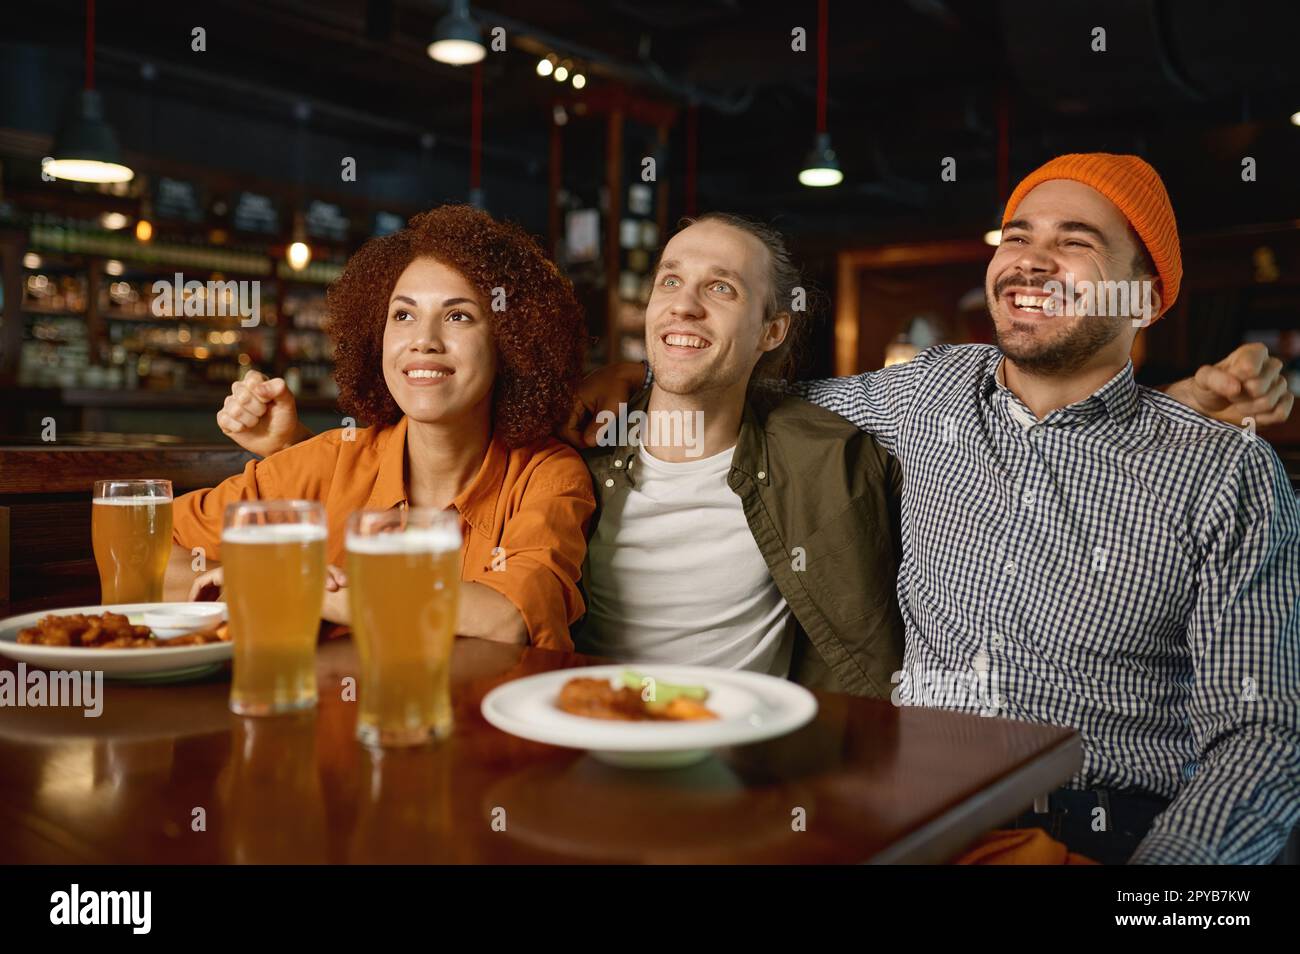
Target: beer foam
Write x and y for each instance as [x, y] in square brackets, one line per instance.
[139, 501]
[274, 533]
[420, 540]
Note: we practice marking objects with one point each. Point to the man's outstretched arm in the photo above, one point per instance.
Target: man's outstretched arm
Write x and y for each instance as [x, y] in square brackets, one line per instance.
[1246, 385]
[1244, 635]
[874, 400]
[260, 414]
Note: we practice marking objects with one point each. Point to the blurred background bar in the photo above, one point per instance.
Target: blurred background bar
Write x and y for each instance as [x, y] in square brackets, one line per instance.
[267, 139]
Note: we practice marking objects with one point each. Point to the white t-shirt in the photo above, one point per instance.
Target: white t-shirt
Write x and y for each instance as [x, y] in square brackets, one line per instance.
[673, 574]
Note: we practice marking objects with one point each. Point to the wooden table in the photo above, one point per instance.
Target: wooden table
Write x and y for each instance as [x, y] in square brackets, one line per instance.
[873, 782]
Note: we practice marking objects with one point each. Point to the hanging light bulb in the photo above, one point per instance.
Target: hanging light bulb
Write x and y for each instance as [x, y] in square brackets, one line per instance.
[561, 74]
[546, 66]
[1295, 119]
[457, 40]
[994, 235]
[144, 224]
[85, 148]
[821, 168]
[579, 81]
[298, 255]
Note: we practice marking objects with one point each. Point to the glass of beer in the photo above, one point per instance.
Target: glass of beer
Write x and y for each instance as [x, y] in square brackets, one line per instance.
[131, 533]
[403, 587]
[273, 557]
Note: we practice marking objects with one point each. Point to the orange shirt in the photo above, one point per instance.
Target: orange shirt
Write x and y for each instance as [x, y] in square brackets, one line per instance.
[533, 503]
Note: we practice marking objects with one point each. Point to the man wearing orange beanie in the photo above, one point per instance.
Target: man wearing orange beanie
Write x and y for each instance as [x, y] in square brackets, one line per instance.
[1126, 566]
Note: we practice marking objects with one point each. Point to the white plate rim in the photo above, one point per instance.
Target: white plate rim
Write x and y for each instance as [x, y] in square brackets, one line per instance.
[797, 708]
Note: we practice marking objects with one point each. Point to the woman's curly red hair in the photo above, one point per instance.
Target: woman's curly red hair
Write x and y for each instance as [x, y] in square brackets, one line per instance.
[540, 334]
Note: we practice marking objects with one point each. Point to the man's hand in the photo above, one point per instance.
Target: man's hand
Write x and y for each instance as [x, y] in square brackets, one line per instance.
[602, 390]
[1247, 383]
[260, 415]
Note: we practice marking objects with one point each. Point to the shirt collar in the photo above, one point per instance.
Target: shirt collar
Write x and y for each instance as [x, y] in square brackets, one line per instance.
[1118, 397]
[390, 480]
[476, 503]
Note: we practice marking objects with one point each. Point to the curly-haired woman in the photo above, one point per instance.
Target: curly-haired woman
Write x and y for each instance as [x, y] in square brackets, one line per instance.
[459, 343]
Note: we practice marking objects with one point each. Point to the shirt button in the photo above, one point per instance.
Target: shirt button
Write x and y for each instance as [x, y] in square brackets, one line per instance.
[1027, 498]
[996, 640]
[618, 462]
[762, 474]
[1009, 568]
[609, 481]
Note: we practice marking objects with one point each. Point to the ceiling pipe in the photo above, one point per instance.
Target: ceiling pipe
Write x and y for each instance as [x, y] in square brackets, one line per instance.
[292, 100]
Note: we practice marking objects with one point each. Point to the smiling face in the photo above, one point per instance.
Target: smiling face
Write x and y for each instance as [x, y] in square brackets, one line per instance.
[1060, 228]
[705, 322]
[439, 356]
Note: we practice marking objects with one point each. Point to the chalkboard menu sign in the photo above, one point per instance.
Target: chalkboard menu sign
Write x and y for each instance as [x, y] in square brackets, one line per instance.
[176, 199]
[326, 220]
[386, 223]
[255, 213]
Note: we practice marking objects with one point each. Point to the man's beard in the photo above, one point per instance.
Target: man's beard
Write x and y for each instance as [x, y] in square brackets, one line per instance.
[1064, 354]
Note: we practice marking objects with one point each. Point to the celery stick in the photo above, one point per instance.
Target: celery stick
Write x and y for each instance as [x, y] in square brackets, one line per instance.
[665, 692]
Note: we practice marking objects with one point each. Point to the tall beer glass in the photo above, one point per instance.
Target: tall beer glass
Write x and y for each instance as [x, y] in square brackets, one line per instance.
[131, 533]
[404, 587]
[273, 554]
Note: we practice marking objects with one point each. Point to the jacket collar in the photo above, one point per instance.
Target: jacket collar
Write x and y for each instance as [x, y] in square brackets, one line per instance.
[750, 457]
[751, 446]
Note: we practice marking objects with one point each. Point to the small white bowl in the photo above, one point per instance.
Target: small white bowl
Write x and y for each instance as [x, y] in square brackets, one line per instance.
[181, 618]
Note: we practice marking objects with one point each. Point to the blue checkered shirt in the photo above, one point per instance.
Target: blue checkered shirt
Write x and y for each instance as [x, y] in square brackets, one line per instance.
[1124, 566]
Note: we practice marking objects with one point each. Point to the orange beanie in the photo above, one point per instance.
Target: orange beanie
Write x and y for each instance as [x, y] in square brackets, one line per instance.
[1136, 189]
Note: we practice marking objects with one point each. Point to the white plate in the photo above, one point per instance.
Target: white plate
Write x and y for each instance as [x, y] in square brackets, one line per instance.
[751, 707]
[135, 664]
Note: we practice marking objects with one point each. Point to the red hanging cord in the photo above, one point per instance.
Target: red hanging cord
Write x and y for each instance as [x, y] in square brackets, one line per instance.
[692, 151]
[90, 44]
[823, 15]
[1004, 144]
[476, 129]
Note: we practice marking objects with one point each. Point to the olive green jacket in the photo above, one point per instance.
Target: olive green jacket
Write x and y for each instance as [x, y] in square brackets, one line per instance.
[822, 499]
